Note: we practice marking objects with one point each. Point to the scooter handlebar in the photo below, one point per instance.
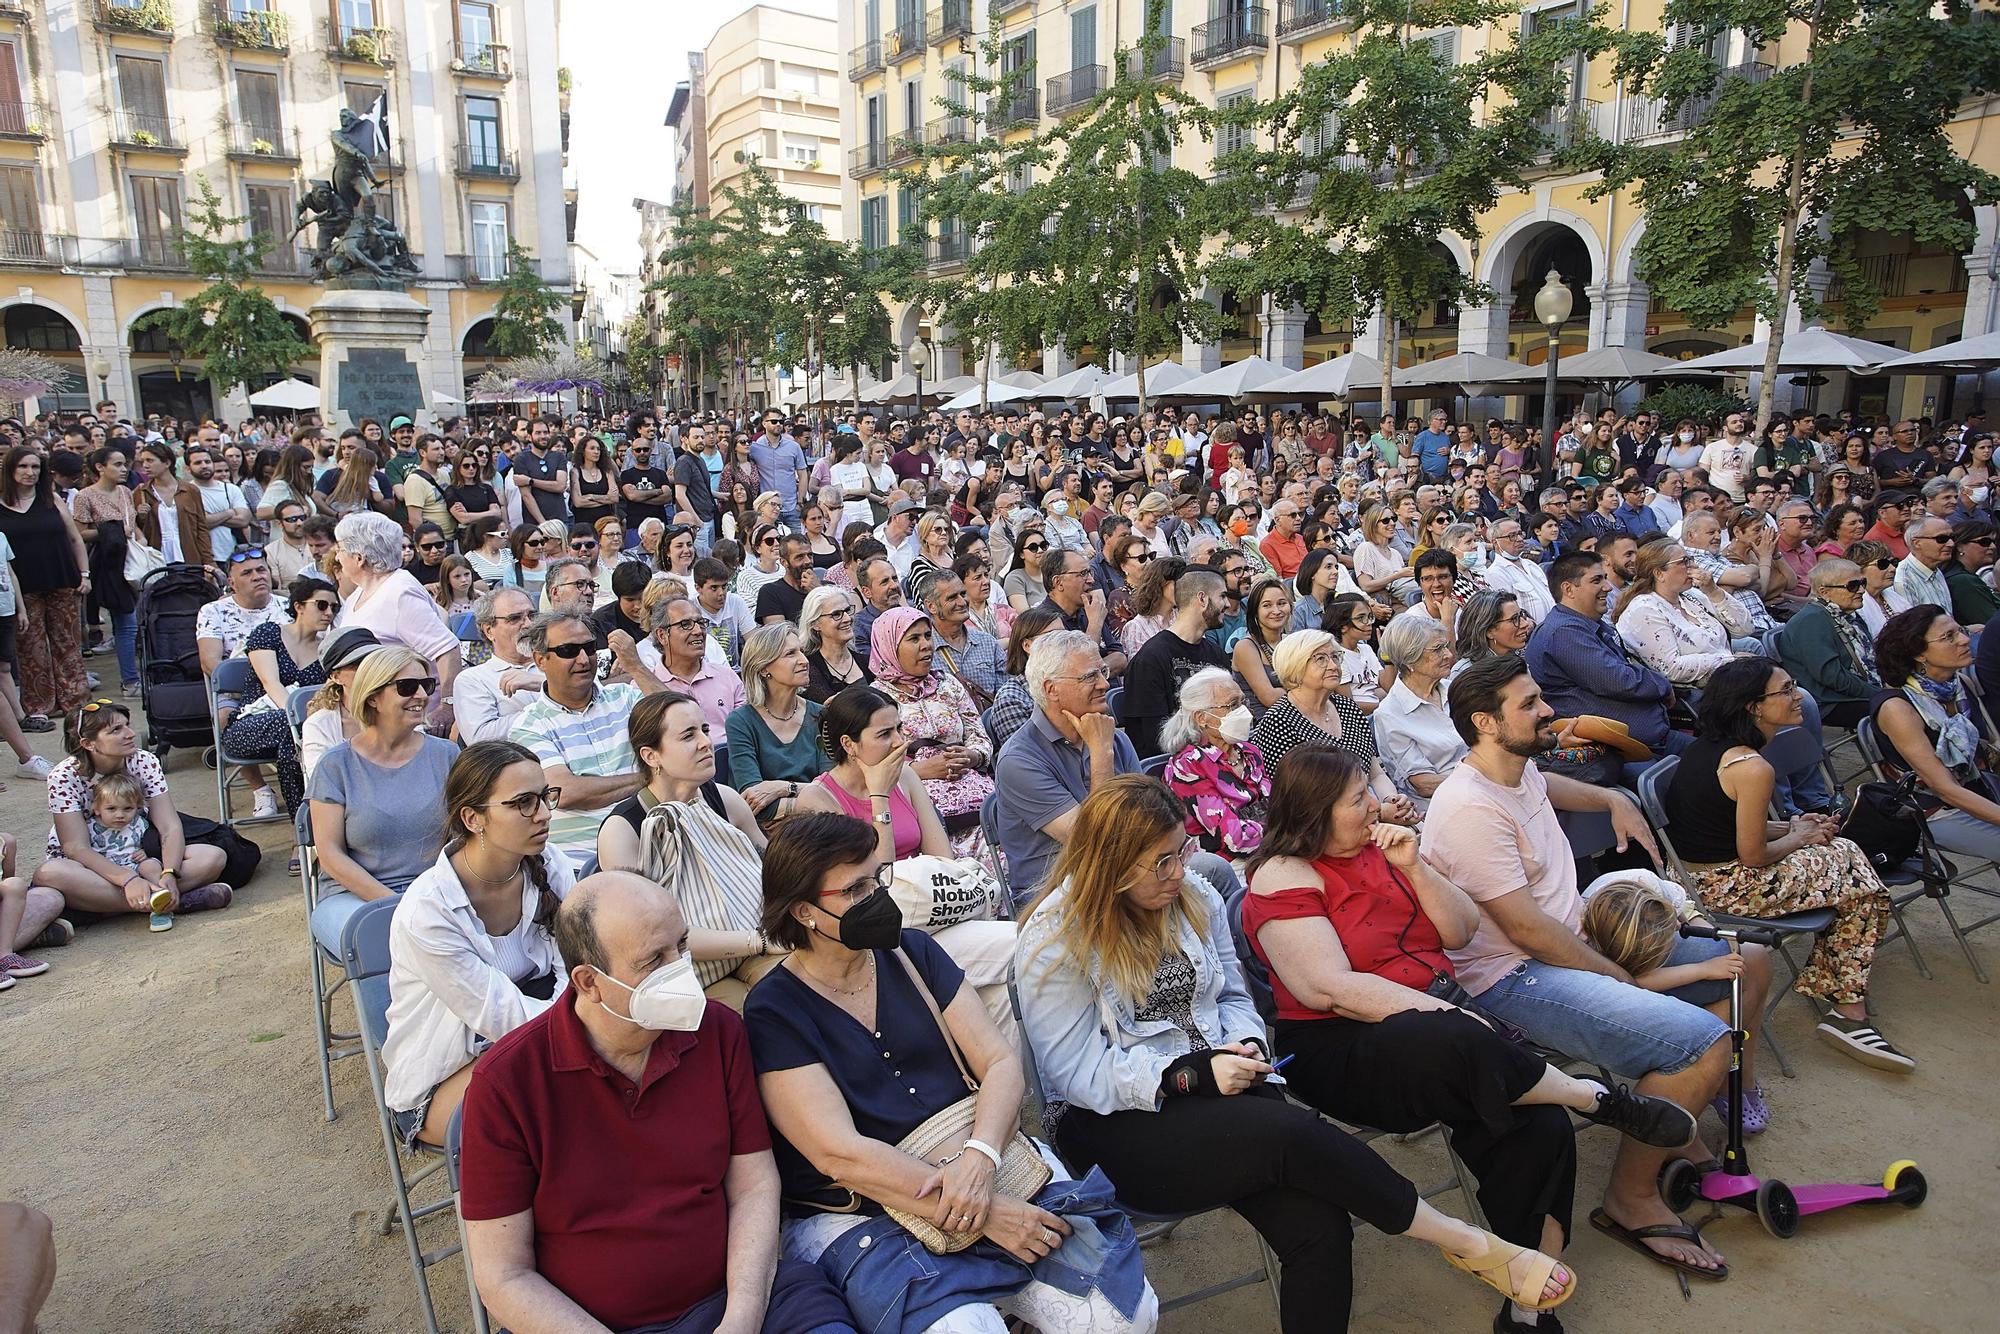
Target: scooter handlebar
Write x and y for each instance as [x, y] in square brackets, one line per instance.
[1701, 929]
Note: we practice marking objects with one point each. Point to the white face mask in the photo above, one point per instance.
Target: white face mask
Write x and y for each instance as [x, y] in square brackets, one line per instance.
[1976, 495]
[1687, 437]
[1235, 725]
[669, 1000]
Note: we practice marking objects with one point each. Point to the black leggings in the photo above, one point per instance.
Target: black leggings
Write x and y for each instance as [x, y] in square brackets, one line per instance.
[1292, 1176]
[1421, 1066]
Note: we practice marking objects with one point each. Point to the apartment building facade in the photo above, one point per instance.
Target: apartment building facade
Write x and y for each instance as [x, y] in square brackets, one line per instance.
[113, 112]
[900, 55]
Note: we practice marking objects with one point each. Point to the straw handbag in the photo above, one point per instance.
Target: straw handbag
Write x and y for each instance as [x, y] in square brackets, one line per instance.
[941, 1138]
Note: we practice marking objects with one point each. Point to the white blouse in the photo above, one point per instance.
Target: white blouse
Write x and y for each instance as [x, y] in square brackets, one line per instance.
[1685, 639]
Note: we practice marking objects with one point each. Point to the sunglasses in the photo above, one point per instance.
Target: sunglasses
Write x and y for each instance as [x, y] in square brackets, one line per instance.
[97, 704]
[1035, 548]
[583, 546]
[326, 605]
[408, 686]
[1855, 585]
[242, 554]
[430, 546]
[1141, 556]
[528, 803]
[569, 652]
[291, 518]
[1884, 564]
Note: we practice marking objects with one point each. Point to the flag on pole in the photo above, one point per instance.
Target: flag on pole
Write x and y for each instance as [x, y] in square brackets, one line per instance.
[370, 132]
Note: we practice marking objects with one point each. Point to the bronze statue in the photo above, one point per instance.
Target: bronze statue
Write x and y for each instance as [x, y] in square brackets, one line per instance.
[354, 246]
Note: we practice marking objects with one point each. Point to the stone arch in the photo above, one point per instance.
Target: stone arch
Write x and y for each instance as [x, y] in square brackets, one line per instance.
[1625, 259]
[1504, 250]
[477, 336]
[82, 329]
[909, 327]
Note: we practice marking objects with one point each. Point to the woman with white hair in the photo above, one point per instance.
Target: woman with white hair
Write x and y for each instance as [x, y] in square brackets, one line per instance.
[826, 633]
[384, 598]
[1314, 712]
[1412, 726]
[1217, 770]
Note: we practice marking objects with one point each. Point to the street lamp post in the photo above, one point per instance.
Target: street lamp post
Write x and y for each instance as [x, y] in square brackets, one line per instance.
[101, 368]
[918, 362]
[1552, 307]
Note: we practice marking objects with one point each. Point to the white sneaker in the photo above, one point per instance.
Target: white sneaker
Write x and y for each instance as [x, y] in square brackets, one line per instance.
[35, 767]
[263, 804]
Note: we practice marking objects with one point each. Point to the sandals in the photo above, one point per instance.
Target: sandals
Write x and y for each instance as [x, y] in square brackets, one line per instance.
[1756, 1112]
[1491, 1268]
[1636, 1238]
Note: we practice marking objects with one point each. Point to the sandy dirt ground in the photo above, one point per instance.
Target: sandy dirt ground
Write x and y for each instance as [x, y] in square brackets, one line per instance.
[163, 1108]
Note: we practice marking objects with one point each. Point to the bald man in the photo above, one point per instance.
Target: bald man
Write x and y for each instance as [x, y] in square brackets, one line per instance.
[617, 1164]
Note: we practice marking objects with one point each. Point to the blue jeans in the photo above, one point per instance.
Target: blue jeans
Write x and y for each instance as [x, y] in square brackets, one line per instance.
[1807, 789]
[1624, 1028]
[802, 1301]
[124, 635]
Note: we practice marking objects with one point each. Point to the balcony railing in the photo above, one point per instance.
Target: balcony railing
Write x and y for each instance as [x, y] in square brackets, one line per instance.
[949, 250]
[904, 147]
[1072, 90]
[153, 18]
[237, 24]
[950, 130]
[867, 159]
[951, 19]
[285, 259]
[864, 60]
[263, 143]
[1002, 8]
[479, 270]
[906, 40]
[1018, 107]
[19, 246]
[1298, 19]
[23, 120]
[492, 163]
[481, 60]
[152, 252]
[1889, 275]
[1568, 126]
[148, 131]
[1167, 61]
[1648, 117]
[1221, 39]
[365, 46]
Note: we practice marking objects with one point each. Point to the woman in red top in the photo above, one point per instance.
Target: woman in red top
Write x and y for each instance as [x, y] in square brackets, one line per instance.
[1354, 927]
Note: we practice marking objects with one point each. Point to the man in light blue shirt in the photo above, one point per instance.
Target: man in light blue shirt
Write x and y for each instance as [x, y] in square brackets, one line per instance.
[1433, 447]
[781, 467]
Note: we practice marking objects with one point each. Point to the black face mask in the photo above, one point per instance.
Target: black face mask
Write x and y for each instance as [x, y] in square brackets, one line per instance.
[875, 923]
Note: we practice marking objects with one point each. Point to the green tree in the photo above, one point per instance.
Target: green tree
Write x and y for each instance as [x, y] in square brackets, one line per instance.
[1386, 145]
[524, 319]
[645, 355]
[703, 302]
[1777, 173]
[236, 331]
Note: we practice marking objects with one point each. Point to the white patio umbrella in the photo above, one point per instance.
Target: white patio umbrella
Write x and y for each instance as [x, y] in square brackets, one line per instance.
[1079, 384]
[1978, 353]
[440, 399]
[1350, 375]
[1620, 365]
[1814, 348]
[1468, 372]
[998, 390]
[1229, 382]
[292, 395]
[1161, 378]
[946, 388]
[902, 389]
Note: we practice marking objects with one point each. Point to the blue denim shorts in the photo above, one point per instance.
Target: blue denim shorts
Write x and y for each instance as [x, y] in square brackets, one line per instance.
[1626, 1029]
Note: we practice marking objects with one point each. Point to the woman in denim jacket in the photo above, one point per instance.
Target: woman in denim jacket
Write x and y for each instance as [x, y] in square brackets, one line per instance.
[1153, 1057]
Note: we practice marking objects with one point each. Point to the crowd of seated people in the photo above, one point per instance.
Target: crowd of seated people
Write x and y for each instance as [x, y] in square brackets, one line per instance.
[1355, 692]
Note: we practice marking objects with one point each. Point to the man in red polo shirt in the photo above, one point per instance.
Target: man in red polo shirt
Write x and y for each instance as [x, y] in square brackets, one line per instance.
[617, 1170]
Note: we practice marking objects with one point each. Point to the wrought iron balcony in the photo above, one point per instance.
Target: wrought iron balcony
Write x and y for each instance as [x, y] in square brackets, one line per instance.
[904, 147]
[263, 143]
[1019, 106]
[951, 19]
[1299, 19]
[20, 247]
[23, 120]
[1648, 117]
[284, 259]
[149, 18]
[152, 252]
[948, 250]
[950, 130]
[1072, 90]
[867, 159]
[864, 60]
[1167, 61]
[363, 46]
[148, 132]
[488, 163]
[235, 23]
[1568, 126]
[906, 39]
[480, 270]
[482, 60]
[1231, 35]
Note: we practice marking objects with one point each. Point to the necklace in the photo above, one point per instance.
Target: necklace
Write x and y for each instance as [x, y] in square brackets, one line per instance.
[845, 991]
[798, 707]
[464, 863]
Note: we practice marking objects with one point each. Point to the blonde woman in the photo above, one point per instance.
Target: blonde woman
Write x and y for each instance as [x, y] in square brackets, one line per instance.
[1314, 711]
[774, 735]
[1157, 1069]
[1676, 618]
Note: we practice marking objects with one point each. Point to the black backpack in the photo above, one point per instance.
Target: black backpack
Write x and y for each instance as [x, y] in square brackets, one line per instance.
[1886, 822]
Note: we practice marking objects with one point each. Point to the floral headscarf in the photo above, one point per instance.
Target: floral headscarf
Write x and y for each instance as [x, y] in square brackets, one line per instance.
[883, 639]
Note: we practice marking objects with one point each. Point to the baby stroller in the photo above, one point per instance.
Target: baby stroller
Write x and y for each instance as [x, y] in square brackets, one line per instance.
[171, 689]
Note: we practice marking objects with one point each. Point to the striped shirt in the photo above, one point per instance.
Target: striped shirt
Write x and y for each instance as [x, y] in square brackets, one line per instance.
[590, 742]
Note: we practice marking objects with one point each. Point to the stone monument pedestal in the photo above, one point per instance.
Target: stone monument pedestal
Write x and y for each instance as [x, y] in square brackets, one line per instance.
[371, 359]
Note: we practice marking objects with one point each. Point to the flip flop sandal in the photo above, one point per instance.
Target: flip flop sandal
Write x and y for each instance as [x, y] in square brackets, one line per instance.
[1491, 1268]
[1636, 1238]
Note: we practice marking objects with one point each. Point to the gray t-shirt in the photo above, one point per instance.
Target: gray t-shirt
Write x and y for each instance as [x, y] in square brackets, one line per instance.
[395, 817]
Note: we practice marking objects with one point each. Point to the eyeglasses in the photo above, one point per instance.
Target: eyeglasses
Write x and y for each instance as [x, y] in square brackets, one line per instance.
[1173, 864]
[241, 554]
[845, 615]
[1955, 635]
[535, 542]
[1141, 556]
[685, 623]
[1520, 618]
[528, 803]
[1853, 585]
[1035, 548]
[408, 686]
[325, 605]
[768, 542]
[514, 618]
[1093, 676]
[568, 652]
[860, 889]
[291, 518]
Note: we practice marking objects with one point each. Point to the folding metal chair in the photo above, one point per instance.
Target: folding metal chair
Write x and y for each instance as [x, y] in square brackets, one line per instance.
[1793, 750]
[322, 949]
[1931, 876]
[1652, 789]
[298, 705]
[989, 827]
[233, 676]
[364, 953]
[453, 1135]
[1774, 640]
[1156, 766]
[1152, 1227]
